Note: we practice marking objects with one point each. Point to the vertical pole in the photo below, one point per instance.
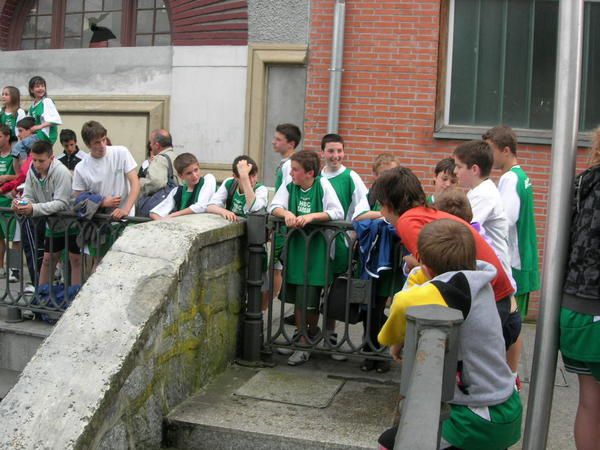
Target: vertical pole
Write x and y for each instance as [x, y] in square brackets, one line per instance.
[252, 327]
[336, 69]
[564, 148]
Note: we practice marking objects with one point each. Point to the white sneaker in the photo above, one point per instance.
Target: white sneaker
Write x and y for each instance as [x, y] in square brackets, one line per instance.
[14, 276]
[2, 272]
[332, 338]
[288, 351]
[298, 357]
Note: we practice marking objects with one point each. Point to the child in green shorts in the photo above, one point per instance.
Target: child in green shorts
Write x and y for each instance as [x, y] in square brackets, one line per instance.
[486, 410]
[308, 198]
[7, 173]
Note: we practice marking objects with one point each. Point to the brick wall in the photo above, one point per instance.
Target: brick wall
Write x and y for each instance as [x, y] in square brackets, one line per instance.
[389, 91]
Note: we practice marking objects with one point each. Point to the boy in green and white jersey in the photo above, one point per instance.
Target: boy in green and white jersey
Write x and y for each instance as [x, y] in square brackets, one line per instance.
[308, 198]
[286, 139]
[352, 193]
[517, 194]
[241, 194]
[192, 196]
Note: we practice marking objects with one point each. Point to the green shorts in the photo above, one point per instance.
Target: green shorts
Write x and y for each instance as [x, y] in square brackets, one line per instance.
[308, 298]
[8, 224]
[580, 342]
[523, 304]
[468, 430]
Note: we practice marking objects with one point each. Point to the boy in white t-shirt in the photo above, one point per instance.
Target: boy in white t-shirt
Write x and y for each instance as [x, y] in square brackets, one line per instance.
[109, 171]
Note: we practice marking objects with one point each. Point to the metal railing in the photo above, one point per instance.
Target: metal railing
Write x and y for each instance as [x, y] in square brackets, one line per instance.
[428, 374]
[21, 290]
[344, 296]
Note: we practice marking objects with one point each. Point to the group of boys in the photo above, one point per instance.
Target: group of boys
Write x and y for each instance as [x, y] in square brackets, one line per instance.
[472, 252]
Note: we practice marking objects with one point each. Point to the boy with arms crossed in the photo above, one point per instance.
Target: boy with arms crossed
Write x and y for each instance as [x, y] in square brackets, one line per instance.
[308, 198]
[192, 196]
[48, 191]
[486, 411]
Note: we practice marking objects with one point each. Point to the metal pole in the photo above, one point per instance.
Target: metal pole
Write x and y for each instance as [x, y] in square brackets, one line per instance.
[564, 149]
[336, 69]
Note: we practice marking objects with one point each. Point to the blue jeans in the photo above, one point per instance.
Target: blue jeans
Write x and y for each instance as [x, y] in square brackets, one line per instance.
[22, 148]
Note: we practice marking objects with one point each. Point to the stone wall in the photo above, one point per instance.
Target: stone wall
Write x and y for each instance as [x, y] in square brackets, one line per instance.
[283, 21]
[155, 322]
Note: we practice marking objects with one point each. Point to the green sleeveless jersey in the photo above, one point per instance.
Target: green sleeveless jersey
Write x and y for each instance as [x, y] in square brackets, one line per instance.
[299, 261]
[6, 168]
[528, 276]
[39, 113]
[237, 201]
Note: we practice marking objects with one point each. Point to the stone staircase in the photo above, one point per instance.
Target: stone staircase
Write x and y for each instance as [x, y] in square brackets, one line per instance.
[323, 404]
[18, 343]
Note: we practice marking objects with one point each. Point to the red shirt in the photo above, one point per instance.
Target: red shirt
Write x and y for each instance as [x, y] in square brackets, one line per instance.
[409, 225]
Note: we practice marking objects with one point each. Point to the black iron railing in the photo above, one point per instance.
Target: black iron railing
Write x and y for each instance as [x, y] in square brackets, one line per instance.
[34, 286]
[343, 295]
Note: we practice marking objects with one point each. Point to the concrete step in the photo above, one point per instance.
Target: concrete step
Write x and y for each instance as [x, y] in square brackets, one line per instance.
[8, 378]
[321, 405]
[19, 341]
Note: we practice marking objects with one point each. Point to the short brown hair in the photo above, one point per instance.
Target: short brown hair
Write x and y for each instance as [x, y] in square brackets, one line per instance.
[250, 161]
[92, 130]
[399, 189]
[502, 136]
[476, 152]
[308, 160]
[184, 160]
[42, 147]
[595, 156]
[454, 201]
[291, 132]
[447, 245]
[383, 159]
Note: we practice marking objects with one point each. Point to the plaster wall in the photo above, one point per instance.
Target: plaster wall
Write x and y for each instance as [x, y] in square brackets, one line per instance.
[206, 86]
[283, 21]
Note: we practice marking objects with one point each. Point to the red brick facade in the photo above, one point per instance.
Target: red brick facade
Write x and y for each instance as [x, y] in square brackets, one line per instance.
[388, 101]
[193, 22]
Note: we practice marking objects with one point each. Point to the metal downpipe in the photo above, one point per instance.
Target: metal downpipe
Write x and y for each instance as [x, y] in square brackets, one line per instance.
[564, 149]
[336, 69]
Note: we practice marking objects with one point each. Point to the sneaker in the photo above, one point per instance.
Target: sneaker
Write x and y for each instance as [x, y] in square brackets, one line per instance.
[332, 338]
[288, 351]
[2, 272]
[298, 357]
[14, 276]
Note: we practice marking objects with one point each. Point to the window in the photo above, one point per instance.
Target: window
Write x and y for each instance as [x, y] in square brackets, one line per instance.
[94, 23]
[502, 63]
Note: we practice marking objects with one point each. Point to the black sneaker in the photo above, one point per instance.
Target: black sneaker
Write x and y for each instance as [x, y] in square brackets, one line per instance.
[290, 320]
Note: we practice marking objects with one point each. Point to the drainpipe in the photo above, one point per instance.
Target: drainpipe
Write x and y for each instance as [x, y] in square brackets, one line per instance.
[335, 71]
[564, 148]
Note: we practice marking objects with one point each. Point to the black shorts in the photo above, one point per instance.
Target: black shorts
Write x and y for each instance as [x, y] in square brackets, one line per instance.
[511, 322]
[58, 244]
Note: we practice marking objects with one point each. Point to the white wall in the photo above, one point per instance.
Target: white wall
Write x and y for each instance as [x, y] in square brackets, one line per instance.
[207, 86]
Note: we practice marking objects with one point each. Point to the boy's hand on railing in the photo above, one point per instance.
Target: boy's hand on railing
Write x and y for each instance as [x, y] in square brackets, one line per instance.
[118, 214]
[111, 202]
[302, 221]
[229, 216]
[290, 219]
[395, 351]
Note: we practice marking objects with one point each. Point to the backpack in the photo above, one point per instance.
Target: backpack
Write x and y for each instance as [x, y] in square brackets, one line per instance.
[146, 203]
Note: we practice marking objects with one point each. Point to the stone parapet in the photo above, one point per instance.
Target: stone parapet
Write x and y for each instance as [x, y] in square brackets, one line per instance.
[154, 323]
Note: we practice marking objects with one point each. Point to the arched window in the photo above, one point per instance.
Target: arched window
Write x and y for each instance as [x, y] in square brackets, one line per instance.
[92, 23]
